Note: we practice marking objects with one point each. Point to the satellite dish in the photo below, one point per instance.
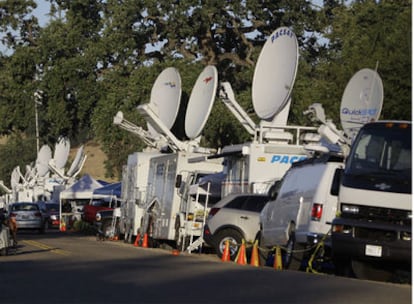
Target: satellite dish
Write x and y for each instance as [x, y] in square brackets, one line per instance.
[61, 155]
[361, 101]
[43, 158]
[15, 177]
[275, 73]
[166, 97]
[76, 162]
[201, 101]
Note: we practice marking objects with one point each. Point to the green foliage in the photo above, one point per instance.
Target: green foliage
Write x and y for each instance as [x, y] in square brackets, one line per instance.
[16, 144]
[95, 58]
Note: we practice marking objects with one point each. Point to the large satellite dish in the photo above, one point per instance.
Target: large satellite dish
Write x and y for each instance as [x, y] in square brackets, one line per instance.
[275, 73]
[61, 155]
[42, 161]
[201, 102]
[77, 162]
[15, 177]
[166, 97]
[361, 101]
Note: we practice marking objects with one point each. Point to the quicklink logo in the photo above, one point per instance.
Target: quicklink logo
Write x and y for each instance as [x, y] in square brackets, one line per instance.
[286, 159]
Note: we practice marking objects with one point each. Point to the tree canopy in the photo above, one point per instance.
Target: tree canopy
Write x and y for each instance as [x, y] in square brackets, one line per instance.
[94, 58]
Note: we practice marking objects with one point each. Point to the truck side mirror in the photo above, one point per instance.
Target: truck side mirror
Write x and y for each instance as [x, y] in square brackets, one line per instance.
[336, 181]
[178, 180]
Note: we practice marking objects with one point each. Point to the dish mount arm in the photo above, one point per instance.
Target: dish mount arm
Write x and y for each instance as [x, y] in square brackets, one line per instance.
[227, 96]
[168, 137]
[327, 129]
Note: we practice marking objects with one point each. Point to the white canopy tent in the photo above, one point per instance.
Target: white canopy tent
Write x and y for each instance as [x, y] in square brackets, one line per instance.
[73, 198]
[82, 189]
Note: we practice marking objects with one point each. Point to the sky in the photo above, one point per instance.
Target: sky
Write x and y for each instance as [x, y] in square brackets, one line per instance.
[41, 11]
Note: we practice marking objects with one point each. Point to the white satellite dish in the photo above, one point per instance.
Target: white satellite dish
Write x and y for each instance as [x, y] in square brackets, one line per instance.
[15, 177]
[201, 101]
[361, 101]
[61, 155]
[166, 97]
[77, 162]
[275, 73]
[43, 158]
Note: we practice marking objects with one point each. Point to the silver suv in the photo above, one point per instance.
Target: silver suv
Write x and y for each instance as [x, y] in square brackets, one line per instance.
[234, 218]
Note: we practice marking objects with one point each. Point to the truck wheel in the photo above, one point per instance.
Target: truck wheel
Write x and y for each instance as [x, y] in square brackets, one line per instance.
[107, 230]
[43, 228]
[294, 254]
[343, 268]
[235, 239]
[368, 271]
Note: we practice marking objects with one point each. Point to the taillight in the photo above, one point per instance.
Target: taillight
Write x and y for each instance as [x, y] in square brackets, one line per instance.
[316, 213]
[213, 212]
[13, 214]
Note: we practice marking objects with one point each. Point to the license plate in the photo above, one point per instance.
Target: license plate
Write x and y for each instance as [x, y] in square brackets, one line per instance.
[372, 250]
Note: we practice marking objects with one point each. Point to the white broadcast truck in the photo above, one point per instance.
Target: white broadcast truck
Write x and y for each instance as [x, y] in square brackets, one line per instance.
[153, 203]
[172, 214]
[254, 166]
[371, 236]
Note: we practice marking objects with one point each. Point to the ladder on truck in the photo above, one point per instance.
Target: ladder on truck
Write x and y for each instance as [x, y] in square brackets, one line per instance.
[198, 243]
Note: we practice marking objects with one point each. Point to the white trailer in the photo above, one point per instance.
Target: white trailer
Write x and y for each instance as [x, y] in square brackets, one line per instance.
[169, 213]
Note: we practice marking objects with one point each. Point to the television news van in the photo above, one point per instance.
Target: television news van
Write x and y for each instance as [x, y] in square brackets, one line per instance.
[371, 235]
[303, 202]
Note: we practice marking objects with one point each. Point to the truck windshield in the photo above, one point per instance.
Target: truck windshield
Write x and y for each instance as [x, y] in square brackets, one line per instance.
[380, 154]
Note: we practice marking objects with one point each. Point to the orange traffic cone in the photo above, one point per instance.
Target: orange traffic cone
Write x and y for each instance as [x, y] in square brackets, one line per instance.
[254, 260]
[277, 264]
[145, 241]
[241, 255]
[62, 225]
[137, 239]
[226, 252]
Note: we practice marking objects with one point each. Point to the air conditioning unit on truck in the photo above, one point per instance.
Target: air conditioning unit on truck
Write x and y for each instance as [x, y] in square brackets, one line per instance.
[169, 216]
[372, 232]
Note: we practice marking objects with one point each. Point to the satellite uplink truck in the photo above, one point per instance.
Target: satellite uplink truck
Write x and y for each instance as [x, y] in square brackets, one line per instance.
[160, 199]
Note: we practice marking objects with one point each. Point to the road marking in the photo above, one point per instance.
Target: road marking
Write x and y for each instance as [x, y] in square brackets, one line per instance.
[46, 247]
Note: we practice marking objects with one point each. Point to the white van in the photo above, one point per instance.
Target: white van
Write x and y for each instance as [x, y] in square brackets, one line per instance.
[303, 204]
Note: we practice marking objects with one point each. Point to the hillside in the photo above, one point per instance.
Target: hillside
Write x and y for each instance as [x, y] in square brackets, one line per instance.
[94, 164]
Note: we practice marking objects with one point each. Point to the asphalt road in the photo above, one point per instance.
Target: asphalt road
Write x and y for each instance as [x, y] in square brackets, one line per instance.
[72, 268]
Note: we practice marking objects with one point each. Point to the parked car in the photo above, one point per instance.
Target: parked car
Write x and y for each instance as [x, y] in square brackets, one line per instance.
[95, 205]
[234, 218]
[53, 215]
[29, 215]
[298, 216]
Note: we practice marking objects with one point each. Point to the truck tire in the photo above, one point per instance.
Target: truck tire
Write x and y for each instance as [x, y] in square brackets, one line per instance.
[294, 254]
[235, 239]
[343, 268]
[107, 229]
[368, 271]
[44, 227]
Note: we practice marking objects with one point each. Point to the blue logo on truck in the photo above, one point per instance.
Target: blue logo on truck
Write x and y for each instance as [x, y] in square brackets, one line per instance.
[286, 159]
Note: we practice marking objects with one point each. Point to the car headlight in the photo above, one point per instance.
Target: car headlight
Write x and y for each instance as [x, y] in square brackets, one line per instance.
[98, 217]
[53, 217]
